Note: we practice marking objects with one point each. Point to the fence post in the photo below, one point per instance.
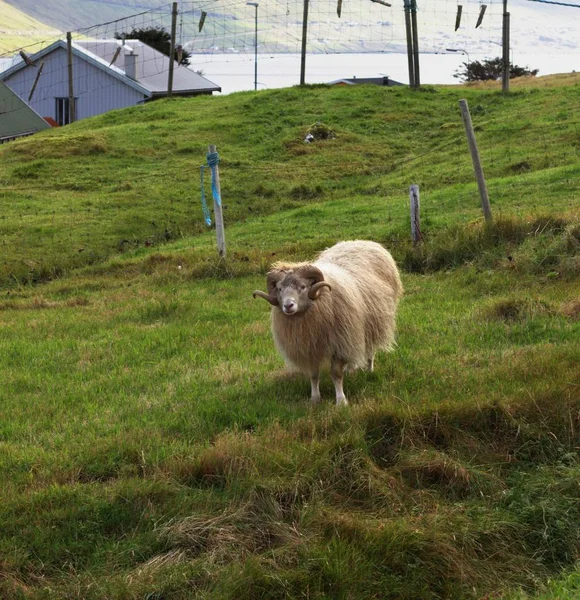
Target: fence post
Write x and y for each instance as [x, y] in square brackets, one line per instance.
[505, 42]
[304, 39]
[217, 207]
[72, 112]
[417, 76]
[410, 54]
[38, 74]
[172, 49]
[475, 159]
[415, 214]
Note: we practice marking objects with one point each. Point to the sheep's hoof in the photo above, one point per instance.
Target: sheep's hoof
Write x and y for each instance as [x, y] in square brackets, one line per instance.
[315, 400]
[341, 401]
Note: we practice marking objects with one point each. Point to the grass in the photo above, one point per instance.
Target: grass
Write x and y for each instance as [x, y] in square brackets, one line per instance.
[152, 443]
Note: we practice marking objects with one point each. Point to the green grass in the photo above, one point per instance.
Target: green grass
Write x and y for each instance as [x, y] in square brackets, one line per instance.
[152, 444]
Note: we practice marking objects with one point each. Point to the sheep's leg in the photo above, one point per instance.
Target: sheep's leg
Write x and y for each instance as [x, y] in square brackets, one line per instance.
[337, 371]
[314, 381]
[371, 364]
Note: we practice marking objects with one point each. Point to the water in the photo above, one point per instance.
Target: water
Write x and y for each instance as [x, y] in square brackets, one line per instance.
[235, 72]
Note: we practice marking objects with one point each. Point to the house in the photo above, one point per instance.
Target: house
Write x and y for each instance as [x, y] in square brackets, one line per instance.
[107, 74]
[387, 81]
[17, 119]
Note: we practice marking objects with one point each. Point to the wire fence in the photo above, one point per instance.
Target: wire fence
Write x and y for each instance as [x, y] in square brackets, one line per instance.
[232, 30]
[79, 222]
[90, 220]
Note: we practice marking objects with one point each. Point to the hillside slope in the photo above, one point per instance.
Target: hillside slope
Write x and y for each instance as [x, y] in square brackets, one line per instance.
[19, 29]
[152, 444]
[130, 178]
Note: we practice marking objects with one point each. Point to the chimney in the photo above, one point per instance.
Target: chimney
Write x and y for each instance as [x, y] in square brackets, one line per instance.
[385, 80]
[131, 63]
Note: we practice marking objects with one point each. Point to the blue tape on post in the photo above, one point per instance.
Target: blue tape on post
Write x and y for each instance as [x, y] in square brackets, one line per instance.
[206, 213]
[212, 161]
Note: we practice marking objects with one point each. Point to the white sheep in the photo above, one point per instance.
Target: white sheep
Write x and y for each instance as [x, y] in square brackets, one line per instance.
[338, 309]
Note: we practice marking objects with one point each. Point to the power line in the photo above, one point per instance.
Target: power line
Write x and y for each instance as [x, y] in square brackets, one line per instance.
[558, 3]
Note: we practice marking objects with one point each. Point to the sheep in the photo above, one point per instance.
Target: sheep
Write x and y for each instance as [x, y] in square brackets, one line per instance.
[339, 309]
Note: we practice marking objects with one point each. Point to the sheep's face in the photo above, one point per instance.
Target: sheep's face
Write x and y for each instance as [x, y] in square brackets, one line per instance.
[294, 291]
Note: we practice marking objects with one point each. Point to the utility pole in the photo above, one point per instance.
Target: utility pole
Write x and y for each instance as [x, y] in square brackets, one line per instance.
[172, 49]
[505, 75]
[304, 36]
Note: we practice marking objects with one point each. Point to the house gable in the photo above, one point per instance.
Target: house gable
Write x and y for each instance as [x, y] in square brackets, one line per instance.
[98, 88]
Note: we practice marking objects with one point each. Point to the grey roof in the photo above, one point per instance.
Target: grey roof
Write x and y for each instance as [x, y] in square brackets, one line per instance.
[152, 67]
[367, 80]
[7, 62]
[16, 117]
[81, 53]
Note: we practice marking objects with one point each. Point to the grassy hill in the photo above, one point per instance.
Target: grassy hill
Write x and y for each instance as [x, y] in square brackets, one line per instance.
[153, 446]
[18, 29]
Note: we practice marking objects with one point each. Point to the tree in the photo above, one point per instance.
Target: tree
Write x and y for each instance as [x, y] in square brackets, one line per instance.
[157, 38]
[489, 70]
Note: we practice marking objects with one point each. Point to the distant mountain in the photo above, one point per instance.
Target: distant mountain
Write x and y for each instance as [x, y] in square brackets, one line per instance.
[69, 15]
[19, 29]
[362, 26]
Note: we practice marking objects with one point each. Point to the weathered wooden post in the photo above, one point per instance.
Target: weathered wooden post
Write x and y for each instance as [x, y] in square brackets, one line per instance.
[415, 214]
[172, 49]
[304, 41]
[476, 160]
[72, 113]
[217, 203]
[38, 74]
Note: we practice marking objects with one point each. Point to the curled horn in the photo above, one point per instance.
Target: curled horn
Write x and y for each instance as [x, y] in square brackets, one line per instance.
[271, 299]
[317, 277]
[271, 280]
[313, 293]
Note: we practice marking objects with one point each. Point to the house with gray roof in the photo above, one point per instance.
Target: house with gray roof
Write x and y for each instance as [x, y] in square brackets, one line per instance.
[17, 119]
[107, 74]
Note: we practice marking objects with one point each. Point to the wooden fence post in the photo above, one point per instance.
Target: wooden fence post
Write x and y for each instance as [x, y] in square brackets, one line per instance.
[415, 214]
[72, 113]
[172, 49]
[475, 159]
[38, 74]
[304, 41]
[217, 207]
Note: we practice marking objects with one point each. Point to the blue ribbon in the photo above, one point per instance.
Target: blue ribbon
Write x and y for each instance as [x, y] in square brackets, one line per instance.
[212, 162]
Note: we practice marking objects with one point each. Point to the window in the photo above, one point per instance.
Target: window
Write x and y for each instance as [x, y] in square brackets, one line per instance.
[63, 110]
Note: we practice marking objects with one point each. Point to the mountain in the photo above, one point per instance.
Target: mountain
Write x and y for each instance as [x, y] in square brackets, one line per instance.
[536, 28]
[18, 28]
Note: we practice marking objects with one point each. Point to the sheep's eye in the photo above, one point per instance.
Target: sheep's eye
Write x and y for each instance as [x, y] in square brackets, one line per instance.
[302, 288]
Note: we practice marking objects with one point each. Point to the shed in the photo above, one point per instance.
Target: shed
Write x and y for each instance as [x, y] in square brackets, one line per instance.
[17, 119]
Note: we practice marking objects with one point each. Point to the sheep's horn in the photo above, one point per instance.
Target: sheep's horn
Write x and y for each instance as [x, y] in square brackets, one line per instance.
[313, 293]
[271, 299]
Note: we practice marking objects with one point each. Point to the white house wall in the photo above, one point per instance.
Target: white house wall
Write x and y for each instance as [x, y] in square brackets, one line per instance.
[96, 91]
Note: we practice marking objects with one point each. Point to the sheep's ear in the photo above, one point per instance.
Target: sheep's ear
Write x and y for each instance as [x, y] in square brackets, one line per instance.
[310, 272]
[273, 278]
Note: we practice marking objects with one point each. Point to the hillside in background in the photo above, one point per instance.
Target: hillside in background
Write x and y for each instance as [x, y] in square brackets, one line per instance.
[70, 15]
[152, 444]
[18, 29]
[229, 27]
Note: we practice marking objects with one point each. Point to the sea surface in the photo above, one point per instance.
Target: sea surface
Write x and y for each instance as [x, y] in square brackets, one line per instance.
[235, 72]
